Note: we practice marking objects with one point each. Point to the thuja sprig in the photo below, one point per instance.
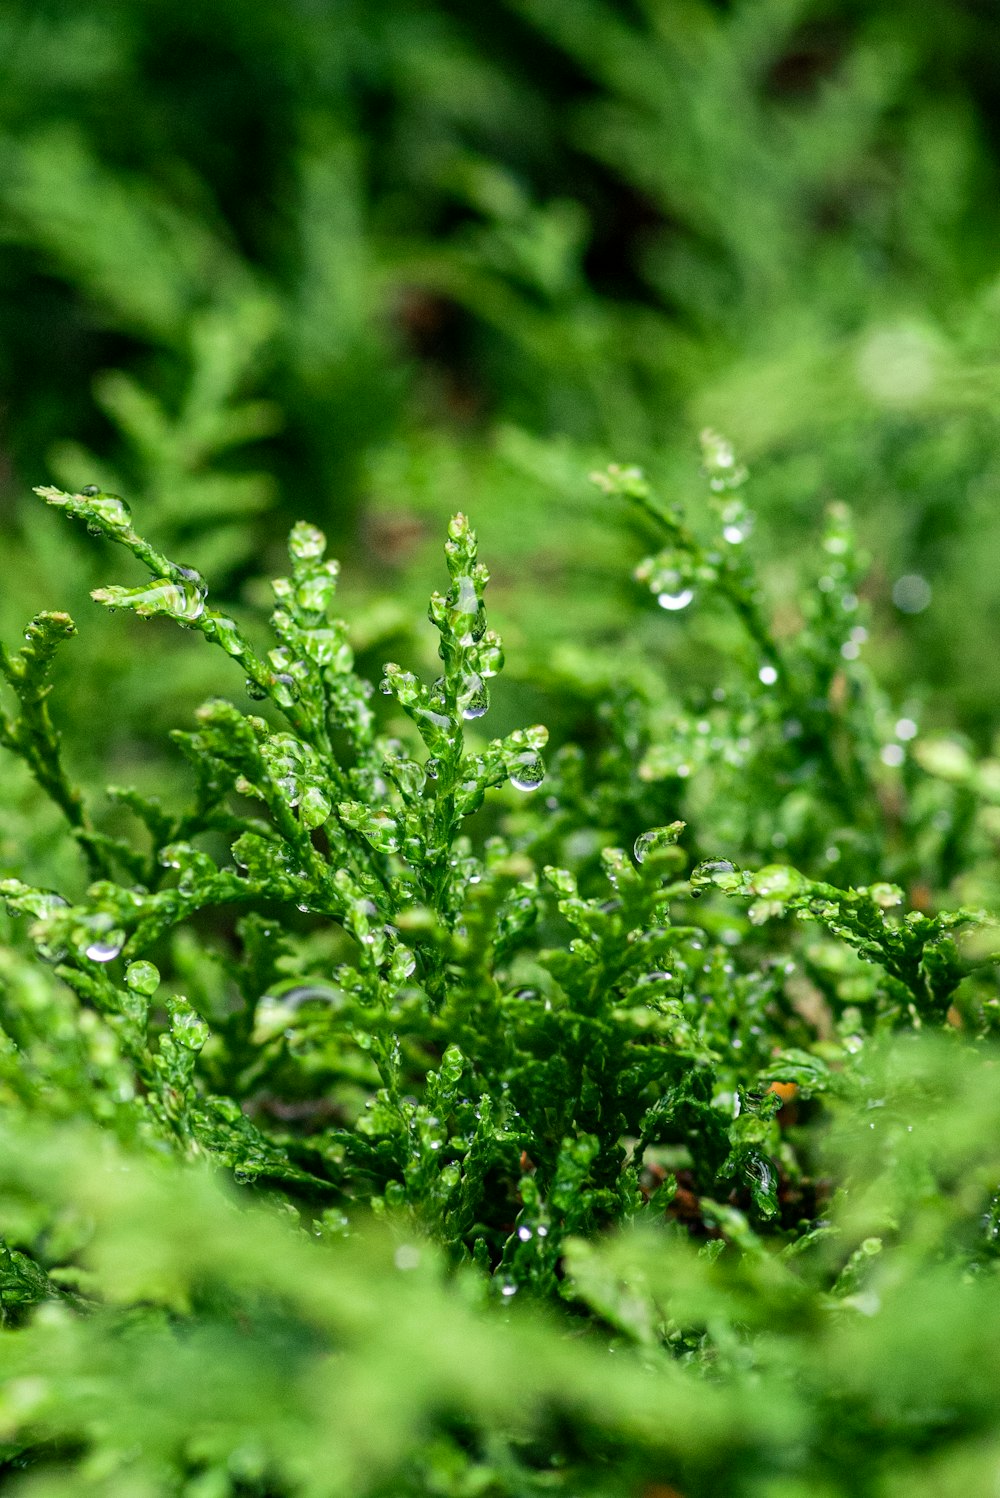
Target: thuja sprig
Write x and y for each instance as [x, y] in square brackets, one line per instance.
[813, 686]
[310, 643]
[921, 963]
[390, 824]
[427, 827]
[685, 564]
[31, 734]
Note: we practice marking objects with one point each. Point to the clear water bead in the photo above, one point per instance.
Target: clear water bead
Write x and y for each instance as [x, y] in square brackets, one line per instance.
[675, 601]
[656, 837]
[474, 697]
[526, 771]
[112, 509]
[106, 948]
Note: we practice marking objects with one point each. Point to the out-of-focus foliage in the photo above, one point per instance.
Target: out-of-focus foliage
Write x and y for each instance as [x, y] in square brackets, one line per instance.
[410, 249]
[401, 1114]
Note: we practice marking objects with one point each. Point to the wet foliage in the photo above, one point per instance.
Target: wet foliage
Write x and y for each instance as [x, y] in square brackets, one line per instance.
[408, 1110]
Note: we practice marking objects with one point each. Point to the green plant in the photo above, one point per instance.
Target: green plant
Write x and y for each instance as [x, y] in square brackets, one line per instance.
[491, 250]
[506, 1035]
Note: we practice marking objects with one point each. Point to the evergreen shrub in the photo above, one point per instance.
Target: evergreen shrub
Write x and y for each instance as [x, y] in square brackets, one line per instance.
[404, 1113]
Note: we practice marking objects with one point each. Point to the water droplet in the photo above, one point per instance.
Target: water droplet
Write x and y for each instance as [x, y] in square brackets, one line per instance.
[106, 948]
[226, 631]
[142, 977]
[187, 1026]
[719, 872]
[525, 1234]
[178, 597]
[284, 689]
[468, 613]
[525, 770]
[656, 837]
[382, 831]
[327, 647]
[777, 881]
[906, 729]
[768, 675]
[195, 590]
[675, 601]
[255, 690]
[112, 509]
[490, 657]
[761, 1173]
[403, 964]
[734, 534]
[90, 490]
[892, 755]
[508, 1290]
[474, 697]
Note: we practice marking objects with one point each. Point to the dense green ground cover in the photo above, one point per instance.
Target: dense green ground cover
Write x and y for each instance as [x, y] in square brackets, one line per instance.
[635, 1167]
[398, 1097]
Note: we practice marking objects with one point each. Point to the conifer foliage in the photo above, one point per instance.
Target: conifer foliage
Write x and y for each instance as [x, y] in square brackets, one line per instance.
[405, 1113]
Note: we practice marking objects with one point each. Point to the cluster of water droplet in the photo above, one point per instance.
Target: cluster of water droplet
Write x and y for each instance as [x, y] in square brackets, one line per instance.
[187, 1028]
[302, 616]
[471, 654]
[718, 462]
[838, 599]
[295, 769]
[726, 478]
[193, 866]
[101, 510]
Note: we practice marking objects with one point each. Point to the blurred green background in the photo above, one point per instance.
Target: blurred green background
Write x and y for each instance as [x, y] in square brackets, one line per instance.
[370, 263]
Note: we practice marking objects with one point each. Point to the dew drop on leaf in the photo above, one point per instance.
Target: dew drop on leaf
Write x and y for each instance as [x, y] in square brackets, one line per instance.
[525, 770]
[474, 697]
[656, 837]
[112, 509]
[718, 872]
[142, 977]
